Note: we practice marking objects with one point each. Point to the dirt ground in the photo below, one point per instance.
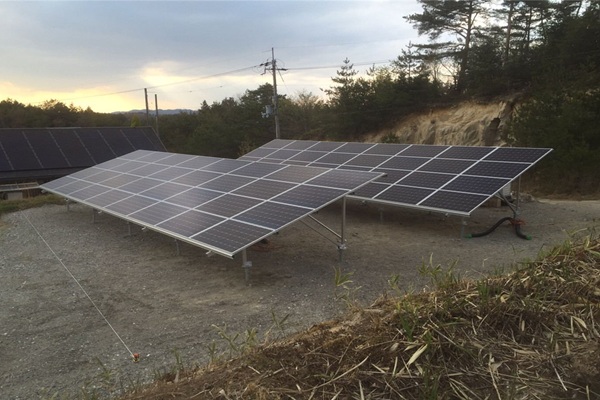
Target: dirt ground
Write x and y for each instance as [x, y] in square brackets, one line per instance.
[167, 307]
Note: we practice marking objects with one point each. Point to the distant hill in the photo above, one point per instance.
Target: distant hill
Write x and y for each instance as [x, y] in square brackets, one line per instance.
[152, 112]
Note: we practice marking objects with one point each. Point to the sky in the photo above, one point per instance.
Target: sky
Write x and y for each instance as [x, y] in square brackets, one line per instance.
[102, 54]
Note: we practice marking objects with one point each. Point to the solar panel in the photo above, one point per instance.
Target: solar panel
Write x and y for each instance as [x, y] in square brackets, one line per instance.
[449, 179]
[43, 153]
[218, 204]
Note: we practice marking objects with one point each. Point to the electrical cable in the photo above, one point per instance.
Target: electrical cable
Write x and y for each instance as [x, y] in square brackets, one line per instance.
[516, 223]
[135, 356]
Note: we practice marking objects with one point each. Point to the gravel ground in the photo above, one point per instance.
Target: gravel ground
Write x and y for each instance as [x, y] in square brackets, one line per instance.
[58, 270]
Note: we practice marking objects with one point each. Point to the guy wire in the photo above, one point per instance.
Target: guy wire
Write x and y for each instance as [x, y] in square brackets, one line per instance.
[78, 284]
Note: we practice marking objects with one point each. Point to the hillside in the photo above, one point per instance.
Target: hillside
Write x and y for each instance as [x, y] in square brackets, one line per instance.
[469, 123]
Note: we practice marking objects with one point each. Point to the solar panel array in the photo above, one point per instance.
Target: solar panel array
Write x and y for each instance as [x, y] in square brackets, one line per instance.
[37, 153]
[450, 179]
[221, 205]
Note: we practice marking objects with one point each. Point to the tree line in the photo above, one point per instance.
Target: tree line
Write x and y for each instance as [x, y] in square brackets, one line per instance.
[548, 51]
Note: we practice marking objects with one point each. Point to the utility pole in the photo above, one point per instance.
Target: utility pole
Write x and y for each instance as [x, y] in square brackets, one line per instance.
[275, 102]
[274, 110]
[156, 108]
[147, 109]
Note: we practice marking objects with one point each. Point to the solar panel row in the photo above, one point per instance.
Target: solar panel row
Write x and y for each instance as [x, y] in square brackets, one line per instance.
[451, 179]
[219, 204]
[59, 148]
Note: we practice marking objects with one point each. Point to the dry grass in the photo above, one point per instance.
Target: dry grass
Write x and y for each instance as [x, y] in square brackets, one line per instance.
[7, 206]
[531, 334]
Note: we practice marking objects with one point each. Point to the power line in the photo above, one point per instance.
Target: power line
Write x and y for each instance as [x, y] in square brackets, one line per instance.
[159, 86]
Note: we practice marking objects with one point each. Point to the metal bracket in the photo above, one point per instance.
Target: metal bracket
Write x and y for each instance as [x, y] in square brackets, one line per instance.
[94, 213]
[246, 264]
[341, 248]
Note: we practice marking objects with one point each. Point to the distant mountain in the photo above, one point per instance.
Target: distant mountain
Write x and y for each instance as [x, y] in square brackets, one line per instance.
[153, 112]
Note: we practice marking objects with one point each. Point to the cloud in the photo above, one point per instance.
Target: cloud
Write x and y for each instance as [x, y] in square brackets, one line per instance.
[67, 48]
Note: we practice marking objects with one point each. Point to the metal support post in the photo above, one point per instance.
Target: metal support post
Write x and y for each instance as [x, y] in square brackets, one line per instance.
[94, 212]
[246, 265]
[177, 247]
[380, 214]
[342, 246]
[516, 210]
[128, 228]
[463, 224]
[67, 203]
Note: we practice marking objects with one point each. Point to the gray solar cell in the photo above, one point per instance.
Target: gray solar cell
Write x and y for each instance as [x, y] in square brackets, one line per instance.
[257, 170]
[391, 175]
[296, 174]
[283, 154]
[477, 184]
[127, 166]
[497, 169]
[300, 144]
[228, 205]
[525, 155]
[367, 160]
[420, 150]
[432, 180]
[355, 148]
[146, 169]
[170, 173]
[193, 197]
[120, 180]
[260, 153]
[232, 236]
[404, 194]
[73, 186]
[226, 183]
[101, 176]
[264, 189]
[370, 190]
[309, 196]
[406, 163]
[157, 213]
[272, 215]
[467, 153]
[195, 177]
[446, 166]
[130, 204]
[198, 162]
[336, 158]
[89, 191]
[308, 156]
[224, 165]
[326, 146]
[164, 190]
[139, 185]
[338, 178]
[108, 197]
[190, 223]
[149, 156]
[175, 159]
[387, 149]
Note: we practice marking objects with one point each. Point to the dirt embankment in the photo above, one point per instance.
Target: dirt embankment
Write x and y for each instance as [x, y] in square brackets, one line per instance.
[469, 123]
